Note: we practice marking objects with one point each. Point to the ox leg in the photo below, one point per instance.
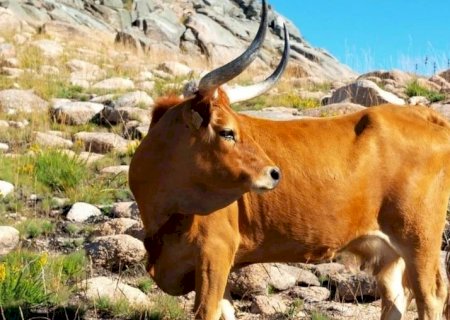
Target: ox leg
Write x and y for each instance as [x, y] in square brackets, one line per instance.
[227, 306]
[430, 289]
[395, 295]
[211, 280]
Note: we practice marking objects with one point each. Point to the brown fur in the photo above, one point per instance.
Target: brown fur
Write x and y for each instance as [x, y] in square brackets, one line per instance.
[374, 183]
[162, 105]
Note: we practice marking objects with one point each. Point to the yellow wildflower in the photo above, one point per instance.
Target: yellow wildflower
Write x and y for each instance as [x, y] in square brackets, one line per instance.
[43, 260]
[2, 272]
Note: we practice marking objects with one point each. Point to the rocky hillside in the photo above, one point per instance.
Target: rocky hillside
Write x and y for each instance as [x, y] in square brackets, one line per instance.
[214, 30]
[78, 80]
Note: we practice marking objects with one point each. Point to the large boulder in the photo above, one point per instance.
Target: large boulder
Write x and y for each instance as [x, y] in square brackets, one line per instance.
[114, 291]
[9, 239]
[364, 92]
[116, 251]
[102, 142]
[16, 100]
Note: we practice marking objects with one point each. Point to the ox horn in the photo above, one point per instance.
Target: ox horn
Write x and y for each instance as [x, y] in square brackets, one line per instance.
[237, 94]
[211, 81]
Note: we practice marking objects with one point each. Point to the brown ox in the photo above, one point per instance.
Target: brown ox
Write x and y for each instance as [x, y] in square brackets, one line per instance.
[374, 183]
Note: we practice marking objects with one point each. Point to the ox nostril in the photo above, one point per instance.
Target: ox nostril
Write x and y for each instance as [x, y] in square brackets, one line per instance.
[275, 174]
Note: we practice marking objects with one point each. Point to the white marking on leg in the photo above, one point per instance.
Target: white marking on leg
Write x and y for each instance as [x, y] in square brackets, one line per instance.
[227, 310]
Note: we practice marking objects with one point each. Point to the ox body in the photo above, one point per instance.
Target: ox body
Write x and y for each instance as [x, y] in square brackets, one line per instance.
[375, 183]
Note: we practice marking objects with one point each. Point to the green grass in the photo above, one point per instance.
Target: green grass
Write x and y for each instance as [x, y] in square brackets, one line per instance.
[415, 89]
[59, 171]
[289, 100]
[30, 279]
[33, 228]
[316, 315]
[145, 284]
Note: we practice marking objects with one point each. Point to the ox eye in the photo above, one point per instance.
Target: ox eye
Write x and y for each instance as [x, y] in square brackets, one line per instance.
[227, 134]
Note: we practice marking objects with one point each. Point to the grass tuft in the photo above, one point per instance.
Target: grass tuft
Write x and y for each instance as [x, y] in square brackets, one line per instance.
[415, 89]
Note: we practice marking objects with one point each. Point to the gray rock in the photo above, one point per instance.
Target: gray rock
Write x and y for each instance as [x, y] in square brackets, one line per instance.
[7, 50]
[325, 270]
[310, 294]
[268, 306]
[354, 287]
[116, 251]
[102, 142]
[116, 226]
[249, 281]
[90, 157]
[133, 99]
[125, 114]
[307, 278]
[114, 84]
[4, 147]
[115, 170]
[53, 141]
[80, 212]
[6, 188]
[281, 276]
[15, 100]
[76, 113]
[49, 48]
[364, 92]
[9, 239]
[175, 68]
[335, 109]
[418, 100]
[114, 290]
[125, 210]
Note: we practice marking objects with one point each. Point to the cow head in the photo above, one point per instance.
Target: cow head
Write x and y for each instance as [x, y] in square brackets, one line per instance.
[198, 156]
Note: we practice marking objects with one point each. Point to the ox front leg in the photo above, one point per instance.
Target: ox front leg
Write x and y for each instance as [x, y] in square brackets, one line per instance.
[211, 300]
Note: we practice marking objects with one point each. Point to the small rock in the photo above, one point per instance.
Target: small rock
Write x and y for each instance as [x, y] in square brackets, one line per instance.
[4, 147]
[125, 114]
[49, 70]
[102, 142]
[134, 99]
[7, 50]
[114, 84]
[116, 226]
[310, 294]
[9, 239]
[11, 72]
[21, 100]
[80, 212]
[146, 85]
[113, 290]
[4, 124]
[175, 68]
[49, 48]
[418, 100]
[5, 188]
[125, 210]
[282, 276]
[116, 251]
[90, 157]
[76, 113]
[267, 306]
[307, 278]
[145, 76]
[115, 170]
[325, 270]
[50, 140]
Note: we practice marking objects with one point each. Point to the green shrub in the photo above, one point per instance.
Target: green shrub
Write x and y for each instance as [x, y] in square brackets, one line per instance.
[415, 89]
[33, 228]
[59, 171]
[29, 279]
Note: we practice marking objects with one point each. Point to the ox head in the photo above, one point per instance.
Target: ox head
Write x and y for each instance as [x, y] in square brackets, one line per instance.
[199, 155]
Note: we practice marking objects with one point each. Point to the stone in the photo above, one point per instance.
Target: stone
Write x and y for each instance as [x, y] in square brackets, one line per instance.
[125, 114]
[418, 100]
[7, 50]
[310, 294]
[114, 290]
[443, 109]
[364, 92]
[11, 72]
[125, 210]
[335, 109]
[6, 188]
[115, 170]
[81, 211]
[249, 281]
[90, 157]
[307, 278]
[16, 100]
[49, 48]
[133, 99]
[268, 306]
[52, 141]
[399, 78]
[76, 113]
[102, 142]
[146, 85]
[281, 276]
[325, 270]
[175, 68]
[9, 239]
[353, 287]
[114, 84]
[116, 226]
[4, 147]
[116, 252]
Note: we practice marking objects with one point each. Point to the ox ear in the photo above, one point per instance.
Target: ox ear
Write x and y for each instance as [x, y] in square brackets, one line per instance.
[197, 114]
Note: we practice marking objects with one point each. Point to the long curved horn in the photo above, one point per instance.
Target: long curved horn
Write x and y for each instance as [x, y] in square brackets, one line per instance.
[211, 81]
[237, 94]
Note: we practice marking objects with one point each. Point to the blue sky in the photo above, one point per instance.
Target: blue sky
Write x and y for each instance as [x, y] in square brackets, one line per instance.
[376, 34]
